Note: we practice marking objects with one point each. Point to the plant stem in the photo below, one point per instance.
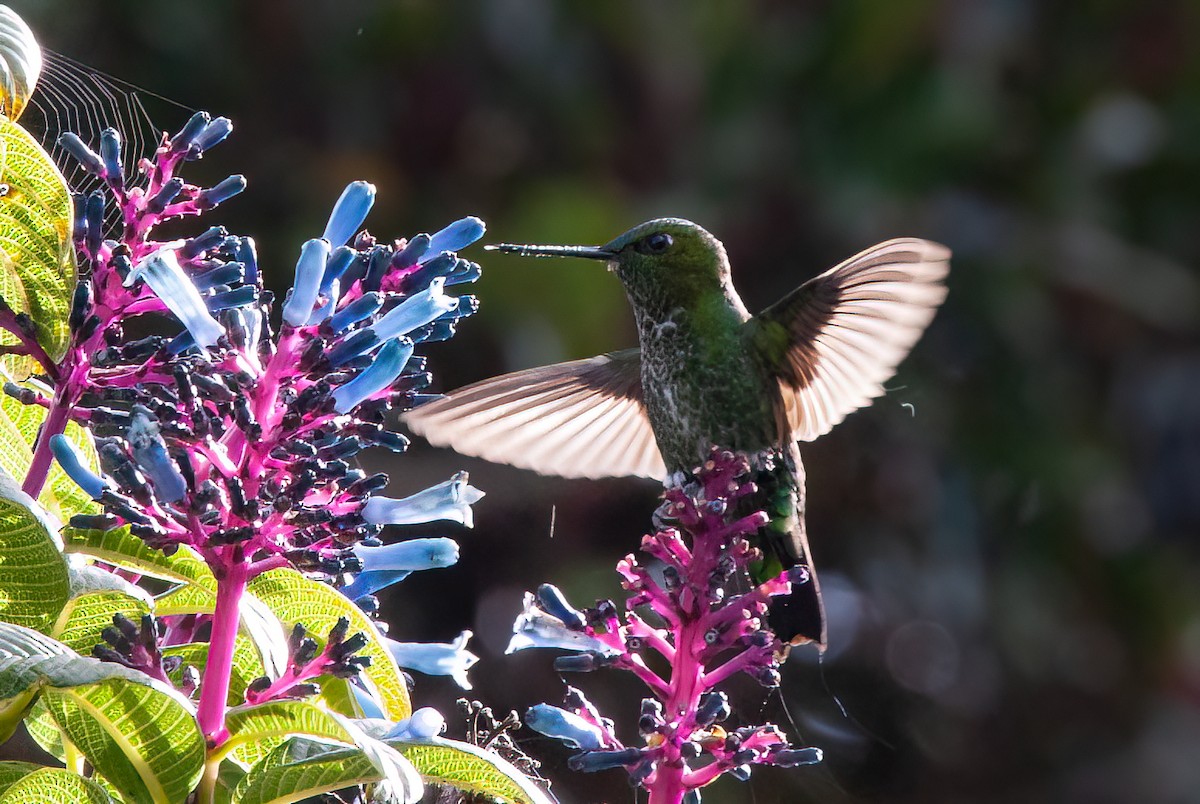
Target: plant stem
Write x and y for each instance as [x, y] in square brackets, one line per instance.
[55, 423]
[214, 686]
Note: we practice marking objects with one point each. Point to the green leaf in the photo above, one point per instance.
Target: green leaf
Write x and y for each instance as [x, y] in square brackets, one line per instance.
[37, 257]
[86, 616]
[255, 730]
[471, 769]
[55, 786]
[246, 664]
[12, 771]
[301, 768]
[138, 733]
[34, 583]
[121, 548]
[296, 599]
[18, 430]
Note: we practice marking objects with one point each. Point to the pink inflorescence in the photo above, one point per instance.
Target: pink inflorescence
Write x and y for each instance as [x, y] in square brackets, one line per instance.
[696, 622]
[229, 438]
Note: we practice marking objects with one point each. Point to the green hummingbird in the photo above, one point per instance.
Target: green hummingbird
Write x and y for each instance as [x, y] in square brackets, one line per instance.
[708, 373]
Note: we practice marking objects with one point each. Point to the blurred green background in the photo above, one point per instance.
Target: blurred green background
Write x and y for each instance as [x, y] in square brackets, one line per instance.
[1007, 540]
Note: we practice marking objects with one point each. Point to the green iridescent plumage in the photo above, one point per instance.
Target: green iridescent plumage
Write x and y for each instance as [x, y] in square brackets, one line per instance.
[708, 373]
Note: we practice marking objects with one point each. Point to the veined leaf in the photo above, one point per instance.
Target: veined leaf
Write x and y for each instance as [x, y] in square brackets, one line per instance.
[255, 730]
[37, 257]
[54, 786]
[121, 548]
[246, 664]
[22, 59]
[86, 616]
[34, 584]
[12, 771]
[471, 769]
[301, 768]
[317, 606]
[139, 734]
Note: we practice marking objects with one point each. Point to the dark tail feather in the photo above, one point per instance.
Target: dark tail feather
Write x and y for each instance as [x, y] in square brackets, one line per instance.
[799, 617]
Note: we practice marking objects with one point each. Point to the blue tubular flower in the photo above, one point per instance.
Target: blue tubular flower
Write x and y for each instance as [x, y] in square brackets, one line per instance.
[151, 456]
[416, 311]
[384, 566]
[436, 658]
[191, 129]
[339, 260]
[110, 153]
[213, 133]
[362, 307]
[247, 255]
[89, 159]
[72, 463]
[451, 500]
[349, 212]
[162, 272]
[412, 555]
[569, 727]
[457, 235]
[309, 269]
[423, 724]
[221, 192]
[389, 362]
[534, 628]
[413, 250]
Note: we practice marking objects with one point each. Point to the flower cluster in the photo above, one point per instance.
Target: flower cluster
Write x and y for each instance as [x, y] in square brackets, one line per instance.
[705, 633]
[237, 441]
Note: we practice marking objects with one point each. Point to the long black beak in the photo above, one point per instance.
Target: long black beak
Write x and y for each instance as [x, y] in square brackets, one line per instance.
[587, 252]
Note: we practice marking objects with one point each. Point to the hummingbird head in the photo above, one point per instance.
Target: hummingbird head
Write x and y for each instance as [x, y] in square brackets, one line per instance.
[662, 262]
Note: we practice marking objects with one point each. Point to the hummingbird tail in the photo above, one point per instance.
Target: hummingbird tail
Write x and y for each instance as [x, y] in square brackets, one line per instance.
[798, 617]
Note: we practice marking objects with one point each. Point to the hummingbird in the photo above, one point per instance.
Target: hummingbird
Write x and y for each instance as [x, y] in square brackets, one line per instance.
[707, 373]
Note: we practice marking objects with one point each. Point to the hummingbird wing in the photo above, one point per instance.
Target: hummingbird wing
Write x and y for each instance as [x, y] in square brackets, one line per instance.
[584, 418]
[836, 339]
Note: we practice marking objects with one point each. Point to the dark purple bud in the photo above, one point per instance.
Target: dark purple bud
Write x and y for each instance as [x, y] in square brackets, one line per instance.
[212, 389]
[79, 229]
[592, 761]
[361, 308]
[413, 251]
[651, 717]
[226, 273]
[713, 708]
[352, 346]
[166, 194]
[463, 273]
[213, 133]
[180, 344]
[95, 222]
[25, 396]
[240, 297]
[377, 267]
[794, 757]
[81, 304]
[205, 241]
[196, 124]
[122, 265]
[110, 153]
[221, 192]
[799, 574]
[553, 602]
[578, 663]
[247, 255]
[339, 260]
[441, 265]
[305, 652]
[87, 158]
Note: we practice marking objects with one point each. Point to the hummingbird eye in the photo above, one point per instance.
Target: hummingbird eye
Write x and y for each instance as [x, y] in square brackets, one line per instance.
[656, 243]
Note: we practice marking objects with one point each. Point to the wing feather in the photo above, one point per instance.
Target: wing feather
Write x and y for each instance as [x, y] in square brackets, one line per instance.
[835, 340]
[584, 418]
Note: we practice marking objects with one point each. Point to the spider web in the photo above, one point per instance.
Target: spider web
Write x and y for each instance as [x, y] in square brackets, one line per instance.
[71, 96]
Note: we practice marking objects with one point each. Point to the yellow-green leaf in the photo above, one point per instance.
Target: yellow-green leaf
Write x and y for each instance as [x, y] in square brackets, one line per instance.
[34, 583]
[471, 769]
[22, 63]
[54, 786]
[37, 257]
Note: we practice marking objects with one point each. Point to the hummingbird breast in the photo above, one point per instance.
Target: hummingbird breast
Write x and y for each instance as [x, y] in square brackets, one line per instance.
[702, 386]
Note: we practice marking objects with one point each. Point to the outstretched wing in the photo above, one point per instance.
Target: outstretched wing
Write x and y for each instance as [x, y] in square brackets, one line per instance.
[584, 418]
[836, 339]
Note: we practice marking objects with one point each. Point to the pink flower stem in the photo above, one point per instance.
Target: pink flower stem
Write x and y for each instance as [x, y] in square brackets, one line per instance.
[39, 468]
[214, 686]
